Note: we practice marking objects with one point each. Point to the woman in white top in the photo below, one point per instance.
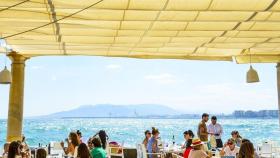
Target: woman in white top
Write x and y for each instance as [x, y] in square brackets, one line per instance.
[197, 151]
[73, 143]
[230, 148]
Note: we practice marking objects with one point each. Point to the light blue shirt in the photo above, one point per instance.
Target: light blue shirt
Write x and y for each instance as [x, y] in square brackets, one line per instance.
[215, 129]
[150, 146]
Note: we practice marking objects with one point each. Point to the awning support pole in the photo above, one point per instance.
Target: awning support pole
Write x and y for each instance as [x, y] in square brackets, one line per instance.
[278, 89]
[15, 114]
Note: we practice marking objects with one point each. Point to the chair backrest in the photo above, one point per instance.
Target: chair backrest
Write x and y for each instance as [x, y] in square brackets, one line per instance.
[57, 146]
[176, 156]
[266, 148]
[141, 151]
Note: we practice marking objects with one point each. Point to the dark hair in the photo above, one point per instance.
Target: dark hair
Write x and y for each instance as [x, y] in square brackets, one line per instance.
[246, 150]
[83, 151]
[79, 133]
[189, 143]
[147, 131]
[96, 142]
[205, 115]
[74, 138]
[41, 153]
[189, 132]
[13, 149]
[155, 131]
[213, 118]
[103, 138]
[23, 138]
[245, 140]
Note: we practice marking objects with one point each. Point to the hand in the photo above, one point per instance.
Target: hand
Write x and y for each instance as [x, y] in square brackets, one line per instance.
[225, 145]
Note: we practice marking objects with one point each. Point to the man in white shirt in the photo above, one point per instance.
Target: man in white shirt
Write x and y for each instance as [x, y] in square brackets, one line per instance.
[230, 149]
[216, 129]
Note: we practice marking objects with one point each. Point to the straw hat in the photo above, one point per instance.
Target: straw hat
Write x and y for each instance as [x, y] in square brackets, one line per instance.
[196, 142]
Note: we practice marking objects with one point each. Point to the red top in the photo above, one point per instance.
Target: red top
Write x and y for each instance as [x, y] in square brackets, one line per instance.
[187, 152]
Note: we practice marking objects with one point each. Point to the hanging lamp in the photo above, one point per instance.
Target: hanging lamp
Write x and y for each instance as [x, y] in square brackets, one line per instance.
[252, 74]
[5, 74]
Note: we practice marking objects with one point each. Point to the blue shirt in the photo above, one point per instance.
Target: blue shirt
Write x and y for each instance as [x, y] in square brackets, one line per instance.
[150, 144]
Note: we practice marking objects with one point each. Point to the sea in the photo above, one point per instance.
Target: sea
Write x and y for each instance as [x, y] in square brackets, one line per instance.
[130, 131]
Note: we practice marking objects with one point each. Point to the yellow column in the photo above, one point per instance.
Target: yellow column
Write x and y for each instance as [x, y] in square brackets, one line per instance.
[15, 115]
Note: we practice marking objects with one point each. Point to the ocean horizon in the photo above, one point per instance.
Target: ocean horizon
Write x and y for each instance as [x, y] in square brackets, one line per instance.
[130, 131]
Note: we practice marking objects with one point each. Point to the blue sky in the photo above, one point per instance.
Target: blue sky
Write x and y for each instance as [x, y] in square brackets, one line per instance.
[60, 83]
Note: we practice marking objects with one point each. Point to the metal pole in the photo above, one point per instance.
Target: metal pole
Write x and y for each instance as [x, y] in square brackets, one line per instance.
[278, 89]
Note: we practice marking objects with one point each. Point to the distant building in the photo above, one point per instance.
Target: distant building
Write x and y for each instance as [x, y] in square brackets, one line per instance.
[255, 114]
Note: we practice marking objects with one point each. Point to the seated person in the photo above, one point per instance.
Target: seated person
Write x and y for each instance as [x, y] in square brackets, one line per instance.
[83, 151]
[188, 148]
[97, 151]
[197, 151]
[236, 137]
[147, 137]
[6, 150]
[247, 149]
[187, 136]
[152, 145]
[230, 148]
[41, 153]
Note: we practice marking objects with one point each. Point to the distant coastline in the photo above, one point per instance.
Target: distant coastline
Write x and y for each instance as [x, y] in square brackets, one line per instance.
[154, 112]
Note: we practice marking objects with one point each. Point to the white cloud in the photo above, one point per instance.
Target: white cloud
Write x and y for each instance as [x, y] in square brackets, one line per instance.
[164, 78]
[113, 67]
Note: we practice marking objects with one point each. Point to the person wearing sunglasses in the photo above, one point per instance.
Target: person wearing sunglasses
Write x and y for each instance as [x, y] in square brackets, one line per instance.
[148, 135]
[230, 148]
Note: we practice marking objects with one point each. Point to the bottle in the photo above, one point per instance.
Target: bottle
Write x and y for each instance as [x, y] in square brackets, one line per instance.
[49, 149]
[173, 140]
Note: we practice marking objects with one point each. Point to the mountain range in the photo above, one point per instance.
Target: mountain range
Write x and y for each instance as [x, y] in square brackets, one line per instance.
[109, 110]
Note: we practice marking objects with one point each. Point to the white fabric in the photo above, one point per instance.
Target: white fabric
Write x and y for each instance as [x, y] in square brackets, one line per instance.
[215, 129]
[233, 152]
[148, 29]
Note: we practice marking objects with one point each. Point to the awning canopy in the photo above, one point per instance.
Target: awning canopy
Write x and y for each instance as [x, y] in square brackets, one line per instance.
[220, 30]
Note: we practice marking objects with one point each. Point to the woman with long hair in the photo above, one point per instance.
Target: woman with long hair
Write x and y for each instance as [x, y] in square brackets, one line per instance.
[73, 143]
[188, 135]
[14, 150]
[83, 151]
[236, 137]
[103, 138]
[246, 150]
[147, 137]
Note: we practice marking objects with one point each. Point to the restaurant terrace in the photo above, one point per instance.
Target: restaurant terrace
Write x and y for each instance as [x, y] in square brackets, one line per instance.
[241, 31]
